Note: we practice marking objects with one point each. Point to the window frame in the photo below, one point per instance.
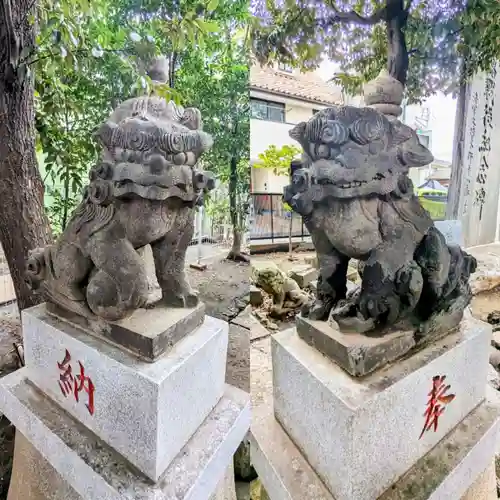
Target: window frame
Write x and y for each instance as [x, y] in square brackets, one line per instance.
[428, 135]
[285, 68]
[268, 105]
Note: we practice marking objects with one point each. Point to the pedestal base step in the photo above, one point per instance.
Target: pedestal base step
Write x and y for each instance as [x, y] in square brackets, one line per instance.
[147, 333]
[446, 472]
[96, 471]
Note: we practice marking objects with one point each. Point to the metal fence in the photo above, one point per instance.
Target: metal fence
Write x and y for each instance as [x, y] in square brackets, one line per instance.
[211, 237]
[7, 293]
[271, 218]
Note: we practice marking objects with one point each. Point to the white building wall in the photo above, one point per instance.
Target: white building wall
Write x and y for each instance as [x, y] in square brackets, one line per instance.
[419, 175]
[266, 133]
[441, 123]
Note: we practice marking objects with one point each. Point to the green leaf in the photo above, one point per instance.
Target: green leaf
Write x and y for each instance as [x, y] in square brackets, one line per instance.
[207, 26]
[212, 5]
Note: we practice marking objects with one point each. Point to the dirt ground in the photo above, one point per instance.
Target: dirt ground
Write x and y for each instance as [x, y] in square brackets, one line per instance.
[224, 288]
[282, 259]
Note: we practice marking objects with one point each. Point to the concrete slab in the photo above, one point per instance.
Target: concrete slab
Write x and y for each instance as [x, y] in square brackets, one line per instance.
[451, 468]
[148, 333]
[256, 297]
[304, 275]
[245, 318]
[452, 231]
[487, 276]
[484, 487]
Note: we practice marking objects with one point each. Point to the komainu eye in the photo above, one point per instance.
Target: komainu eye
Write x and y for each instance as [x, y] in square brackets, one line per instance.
[334, 132]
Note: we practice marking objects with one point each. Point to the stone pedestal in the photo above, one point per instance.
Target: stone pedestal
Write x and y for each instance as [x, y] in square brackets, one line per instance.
[115, 426]
[34, 477]
[356, 353]
[351, 438]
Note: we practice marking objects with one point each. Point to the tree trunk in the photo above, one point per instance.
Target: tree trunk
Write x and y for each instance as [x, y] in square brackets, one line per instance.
[172, 68]
[397, 52]
[235, 253]
[23, 223]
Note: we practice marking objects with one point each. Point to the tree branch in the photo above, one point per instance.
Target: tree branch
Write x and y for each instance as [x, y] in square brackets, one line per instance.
[446, 38]
[408, 5]
[354, 17]
[125, 50]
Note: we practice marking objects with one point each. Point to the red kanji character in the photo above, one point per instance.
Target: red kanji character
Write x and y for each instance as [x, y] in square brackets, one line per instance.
[438, 399]
[66, 379]
[85, 383]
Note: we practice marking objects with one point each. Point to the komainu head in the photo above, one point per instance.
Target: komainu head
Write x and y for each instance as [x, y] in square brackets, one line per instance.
[358, 151]
[150, 149]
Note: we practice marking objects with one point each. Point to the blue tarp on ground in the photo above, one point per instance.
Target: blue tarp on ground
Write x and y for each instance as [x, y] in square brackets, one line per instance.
[433, 184]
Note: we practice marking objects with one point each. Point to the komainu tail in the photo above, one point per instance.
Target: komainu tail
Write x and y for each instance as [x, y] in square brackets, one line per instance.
[446, 270]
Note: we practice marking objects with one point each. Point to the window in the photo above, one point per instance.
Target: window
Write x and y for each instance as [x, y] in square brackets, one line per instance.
[424, 139]
[267, 110]
[285, 67]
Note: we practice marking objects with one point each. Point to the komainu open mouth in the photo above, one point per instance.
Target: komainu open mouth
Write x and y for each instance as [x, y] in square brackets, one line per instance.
[348, 185]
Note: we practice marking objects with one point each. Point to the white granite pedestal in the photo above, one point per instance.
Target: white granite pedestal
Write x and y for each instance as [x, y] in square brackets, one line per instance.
[35, 479]
[116, 427]
[364, 439]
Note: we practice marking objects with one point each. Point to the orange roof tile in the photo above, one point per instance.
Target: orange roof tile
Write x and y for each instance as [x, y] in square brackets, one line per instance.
[305, 86]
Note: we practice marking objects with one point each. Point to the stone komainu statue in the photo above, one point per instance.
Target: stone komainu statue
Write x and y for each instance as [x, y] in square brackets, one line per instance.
[357, 201]
[143, 191]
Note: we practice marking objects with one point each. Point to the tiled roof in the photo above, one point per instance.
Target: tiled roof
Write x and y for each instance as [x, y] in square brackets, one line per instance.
[306, 86]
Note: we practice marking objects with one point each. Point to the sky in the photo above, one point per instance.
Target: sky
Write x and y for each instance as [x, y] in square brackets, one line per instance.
[441, 116]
